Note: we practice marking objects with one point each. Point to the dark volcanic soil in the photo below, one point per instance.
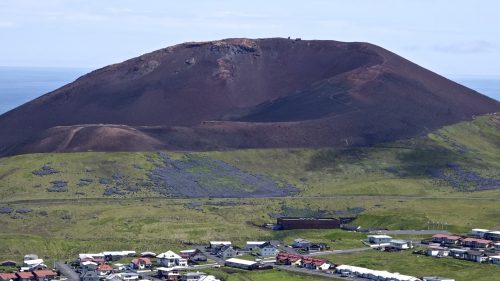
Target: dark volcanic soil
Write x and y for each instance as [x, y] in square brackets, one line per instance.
[242, 93]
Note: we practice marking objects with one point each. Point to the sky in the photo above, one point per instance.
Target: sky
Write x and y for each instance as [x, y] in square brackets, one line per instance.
[454, 38]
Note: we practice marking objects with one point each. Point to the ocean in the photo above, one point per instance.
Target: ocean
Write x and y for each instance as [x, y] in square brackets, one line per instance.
[22, 84]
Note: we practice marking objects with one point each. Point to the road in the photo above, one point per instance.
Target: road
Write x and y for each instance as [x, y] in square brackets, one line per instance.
[67, 271]
[410, 232]
[182, 200]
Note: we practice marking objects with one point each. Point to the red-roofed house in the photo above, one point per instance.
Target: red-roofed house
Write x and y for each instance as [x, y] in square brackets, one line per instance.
[141, 263]
[41, 275]
[25, 276]
[476, 243]
[447, 239]
[8, 277]
[104, 269]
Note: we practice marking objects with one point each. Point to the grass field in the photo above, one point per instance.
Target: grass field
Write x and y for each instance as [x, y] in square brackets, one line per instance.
[405, 262]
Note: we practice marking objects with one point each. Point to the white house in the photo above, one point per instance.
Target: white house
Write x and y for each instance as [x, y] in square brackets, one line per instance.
[226, 252]
[379, 239]
[34, 264]
[301, 243]
[170, 259]
[495, 259]
[268, 250]
[254, 245]
[400, 244]
[479, 232]
[437, 251]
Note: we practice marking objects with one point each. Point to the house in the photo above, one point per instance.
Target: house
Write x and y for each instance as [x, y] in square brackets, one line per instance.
[25, 276]
[492, 235]
[119, 267]
[148, 255]
[241, 264]
[30, 257]
[285, 258]
[193, 255]
[400, 244]
[8, 263]
[89, 275]
[478, 232]
[34, 264]
[316, 247]
[476, 243]
[129, 276]
[116, 255]
[41, 275]
[89, 265]
[208, 278]
[495, 259]
[314, 264]
[301, 243]
[170, 259]
[458, 253]
[104, 269]
[496, 246]
[446, 239]
[91, 256]
[8, 277]
[379, 239]
[437, 251]
[168, 273]
[140, 263]
[476, 256]
[435, 278]
[226, 252]
[192, 276]
[213, 244]
[254, 245]
[267, 250]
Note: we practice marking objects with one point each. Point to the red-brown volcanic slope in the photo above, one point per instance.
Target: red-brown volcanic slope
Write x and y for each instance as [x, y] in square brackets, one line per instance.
[242, 93]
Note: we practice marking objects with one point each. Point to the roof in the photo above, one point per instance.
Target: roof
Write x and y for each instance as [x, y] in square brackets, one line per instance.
[480, 230]
[475, 253]
[148, 254]
[379, 273]
[495, 257]
[220, 242]
[395, 241]
[482, 241]
[104, 267]
[191, 251]
[33, 262]
[24, 275]
[168, 255]
[240, 261]
[447, 236]
[380, 236]
[44, 273]
[494, 232]
[141, 260]
[7, 276]
[256, 243]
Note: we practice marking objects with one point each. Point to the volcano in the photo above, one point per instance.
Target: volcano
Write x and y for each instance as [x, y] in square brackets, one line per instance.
[243, 93]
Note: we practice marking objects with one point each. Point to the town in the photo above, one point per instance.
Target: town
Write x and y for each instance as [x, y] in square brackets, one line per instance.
[302, 256]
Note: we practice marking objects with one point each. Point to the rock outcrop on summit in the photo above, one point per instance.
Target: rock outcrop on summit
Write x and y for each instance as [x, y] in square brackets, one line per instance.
[242, 93]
